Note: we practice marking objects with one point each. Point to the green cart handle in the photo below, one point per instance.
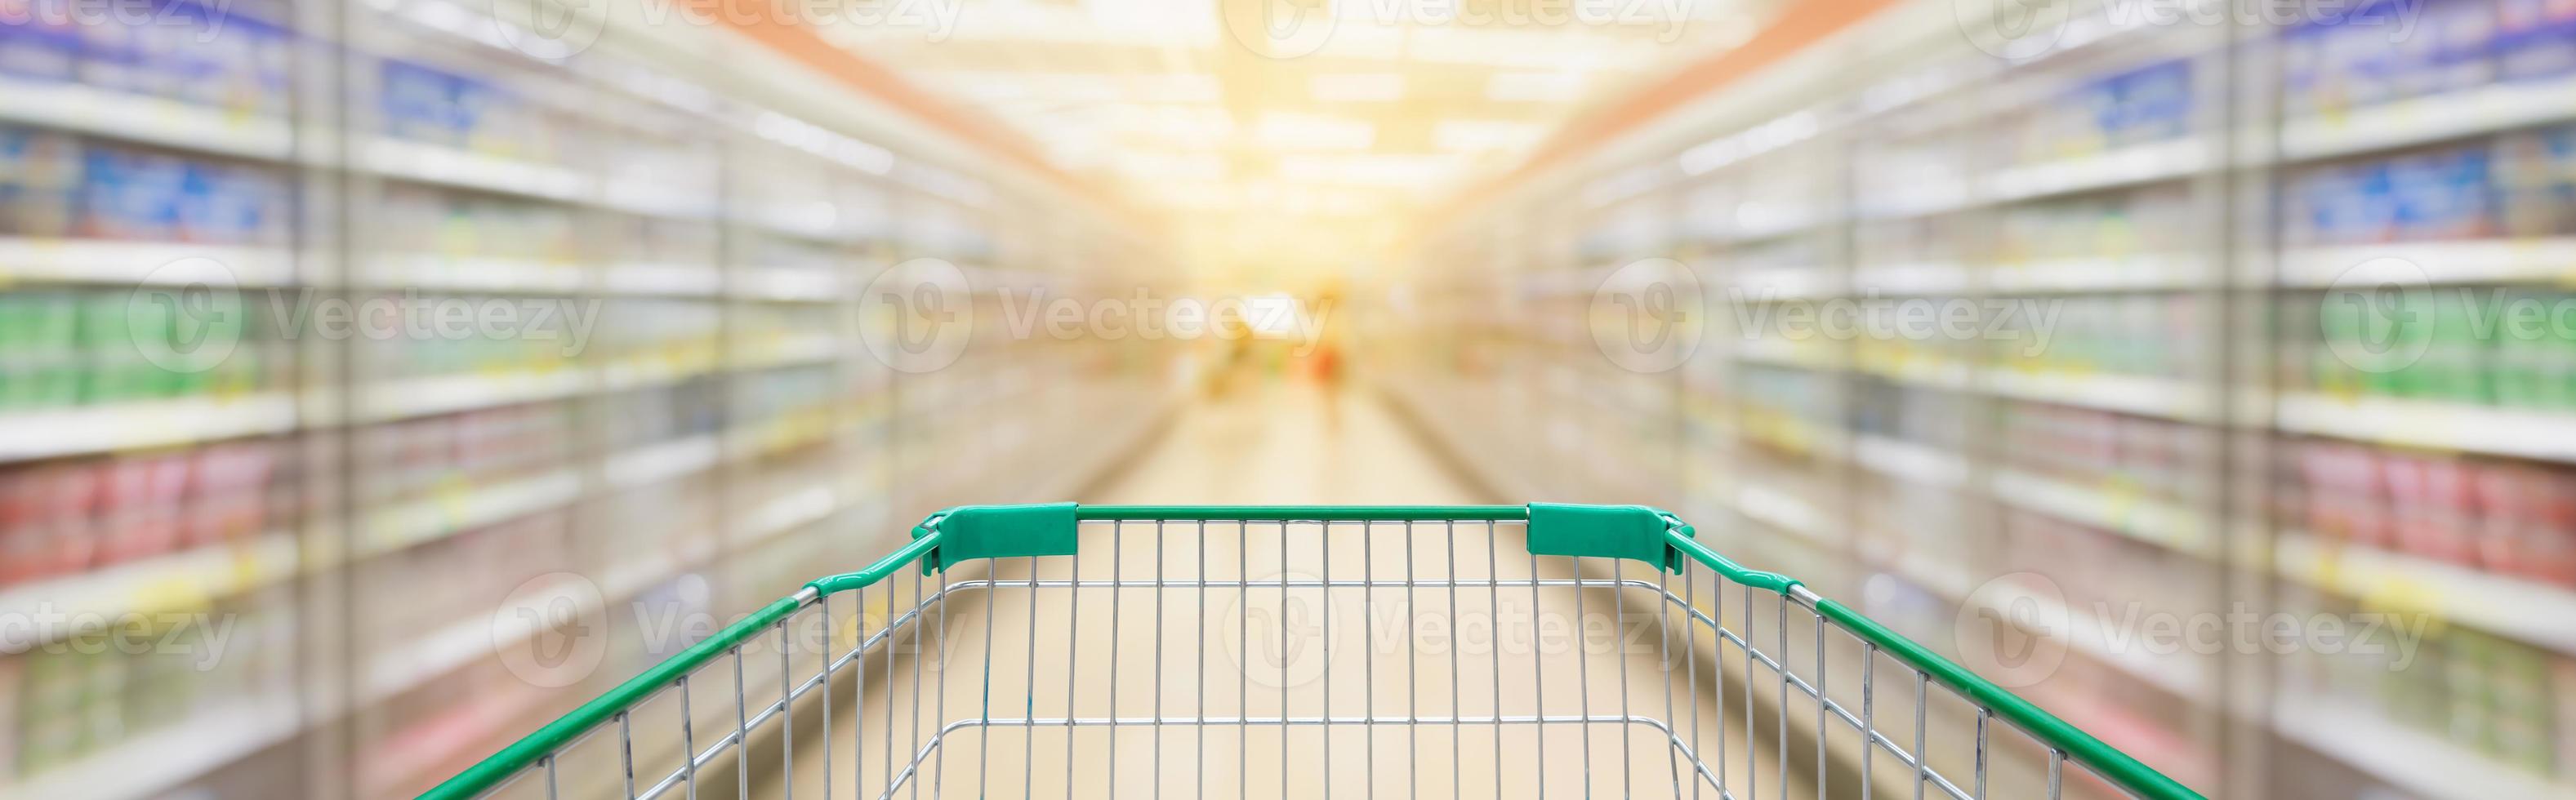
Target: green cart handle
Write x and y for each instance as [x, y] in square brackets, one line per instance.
[1638, 533]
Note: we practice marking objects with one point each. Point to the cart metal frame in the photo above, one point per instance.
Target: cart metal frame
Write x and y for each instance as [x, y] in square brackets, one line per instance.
[1049, 533]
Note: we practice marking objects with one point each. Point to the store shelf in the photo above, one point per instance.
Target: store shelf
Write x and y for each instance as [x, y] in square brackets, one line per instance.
[1919, 278]
[34, 434]
[661, 461]
[420, 162]
[2543, 260]
[171, 581]
[2525, 610]
[2442, 426]
[403, 398]
[1790, 283]
[2420, 763]
[652, 199]
[123, 264]
[788, 284]
[150, 120]
[414, 663]
[1924, 372]
[2135, 164]
[2128, 512]
[1780, 509]
[662, 280]
[1910, 461]
[447, 511]
[2155, 272]
[154, 763]
[1913, 199]
[473, 274]
[2182, 674]
[2493, 107]
[787, 352]
[1814, 354]
[790, 511]
[2127, 394]
[642, 372]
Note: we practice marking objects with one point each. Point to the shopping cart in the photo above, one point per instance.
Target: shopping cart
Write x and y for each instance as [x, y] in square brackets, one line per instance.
[1190, 651]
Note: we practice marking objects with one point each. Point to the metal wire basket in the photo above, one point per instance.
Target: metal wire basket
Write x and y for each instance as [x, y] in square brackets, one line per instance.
[1137, 651]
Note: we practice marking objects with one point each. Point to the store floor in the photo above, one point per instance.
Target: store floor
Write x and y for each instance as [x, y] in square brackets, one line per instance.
[1036, 653]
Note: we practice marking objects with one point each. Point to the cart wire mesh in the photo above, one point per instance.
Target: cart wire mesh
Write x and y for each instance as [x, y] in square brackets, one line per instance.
[1254, 652]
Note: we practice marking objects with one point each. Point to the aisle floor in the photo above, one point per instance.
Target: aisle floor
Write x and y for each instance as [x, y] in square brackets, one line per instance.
[1043, 654]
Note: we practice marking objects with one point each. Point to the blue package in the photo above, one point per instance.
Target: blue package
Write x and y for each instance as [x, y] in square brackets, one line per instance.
[2441, 195]
[220, 204]
[37, 40]
[131, 195]
[2535, 39]
[418, 103]
[2462, 33]
[108, 55]
[2156, 103]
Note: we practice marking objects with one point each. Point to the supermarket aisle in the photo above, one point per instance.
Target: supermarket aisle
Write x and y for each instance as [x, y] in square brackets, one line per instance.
[1178, 658]
[1275, 446]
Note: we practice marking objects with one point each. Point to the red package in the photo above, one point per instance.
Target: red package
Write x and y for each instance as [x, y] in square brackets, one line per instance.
[73, 495]
[2435, 508]
[22, 527]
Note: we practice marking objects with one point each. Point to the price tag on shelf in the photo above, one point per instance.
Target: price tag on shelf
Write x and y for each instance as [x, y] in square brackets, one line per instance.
[453, 496]
[170, 594]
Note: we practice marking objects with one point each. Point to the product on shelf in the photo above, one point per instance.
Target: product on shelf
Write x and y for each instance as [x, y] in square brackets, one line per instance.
[426, 104]
[2510, 518]
[2144, 105]
[2141, 222]
[446, 455]
[66, 517]
[84, 699]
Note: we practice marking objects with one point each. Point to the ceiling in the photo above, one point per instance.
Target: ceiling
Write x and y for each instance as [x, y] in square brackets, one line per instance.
[1284, 134]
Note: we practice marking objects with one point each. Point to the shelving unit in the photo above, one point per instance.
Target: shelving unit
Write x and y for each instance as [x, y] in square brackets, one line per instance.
[2160, 456]
[426, 503]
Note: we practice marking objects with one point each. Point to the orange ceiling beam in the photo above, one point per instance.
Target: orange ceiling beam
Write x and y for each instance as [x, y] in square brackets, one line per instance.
[785, 33]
